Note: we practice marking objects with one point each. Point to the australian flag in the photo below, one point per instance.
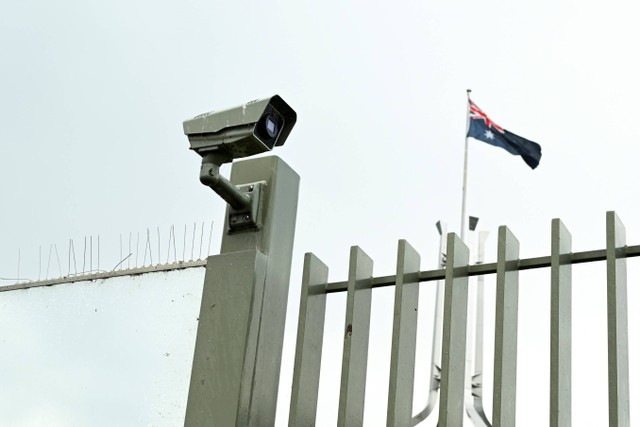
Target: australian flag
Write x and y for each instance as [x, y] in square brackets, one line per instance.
[484, 129]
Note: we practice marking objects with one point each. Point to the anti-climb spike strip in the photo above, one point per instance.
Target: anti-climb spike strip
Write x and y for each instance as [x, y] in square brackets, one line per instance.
[127, 259]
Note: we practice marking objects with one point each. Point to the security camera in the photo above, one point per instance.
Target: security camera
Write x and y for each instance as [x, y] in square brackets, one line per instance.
[251, 128]
[222, 136]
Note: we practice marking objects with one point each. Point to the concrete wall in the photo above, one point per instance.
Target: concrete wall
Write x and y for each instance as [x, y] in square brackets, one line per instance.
[109, 352]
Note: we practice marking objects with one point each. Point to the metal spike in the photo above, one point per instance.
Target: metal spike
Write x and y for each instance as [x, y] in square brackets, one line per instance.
[201, 238]
[158, 228]
[193, 240]
[84, 255]
[169, 244]
[90, 254]
[146, 244]
[209, 245]
[75, 265]
[149, 244]
[184, 242]
[55, 246]
[137, 247]
[175, 255]
[48, 262]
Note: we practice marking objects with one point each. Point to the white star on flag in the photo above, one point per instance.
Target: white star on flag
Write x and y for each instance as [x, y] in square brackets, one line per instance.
[488, 134]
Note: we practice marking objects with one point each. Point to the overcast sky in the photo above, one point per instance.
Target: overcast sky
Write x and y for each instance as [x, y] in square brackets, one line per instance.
[93, 95]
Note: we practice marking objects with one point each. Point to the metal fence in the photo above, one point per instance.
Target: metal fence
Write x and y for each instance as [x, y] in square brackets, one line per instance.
[454, 330]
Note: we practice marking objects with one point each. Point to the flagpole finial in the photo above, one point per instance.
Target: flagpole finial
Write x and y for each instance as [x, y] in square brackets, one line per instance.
[468, 90]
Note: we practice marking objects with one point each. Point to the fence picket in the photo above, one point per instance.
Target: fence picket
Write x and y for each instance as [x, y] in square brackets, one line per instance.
[618, 334]
[454, 333]
[506, 342]
[560, 357]
[403, 344]
[306, 371]
[356, 339]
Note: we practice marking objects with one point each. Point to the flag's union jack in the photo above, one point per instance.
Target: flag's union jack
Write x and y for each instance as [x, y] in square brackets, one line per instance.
[476, 113]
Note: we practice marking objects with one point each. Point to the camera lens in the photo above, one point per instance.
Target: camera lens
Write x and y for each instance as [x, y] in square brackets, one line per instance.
[271, 126]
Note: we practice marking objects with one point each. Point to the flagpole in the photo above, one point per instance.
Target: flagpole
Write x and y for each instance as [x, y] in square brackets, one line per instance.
[475, 413]
[463, 215]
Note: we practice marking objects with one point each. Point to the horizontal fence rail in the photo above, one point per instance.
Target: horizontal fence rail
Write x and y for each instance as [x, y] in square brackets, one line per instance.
[455, 387]
[492, 268]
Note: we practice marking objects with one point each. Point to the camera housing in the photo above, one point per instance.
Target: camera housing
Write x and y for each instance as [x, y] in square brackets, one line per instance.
[222, 136]
[245, 130]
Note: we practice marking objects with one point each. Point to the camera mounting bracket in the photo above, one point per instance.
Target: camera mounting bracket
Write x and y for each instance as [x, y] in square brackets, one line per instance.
[244, 201]
[247, 217]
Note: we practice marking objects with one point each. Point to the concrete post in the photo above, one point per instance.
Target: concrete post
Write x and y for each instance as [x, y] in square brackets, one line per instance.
[236, 365]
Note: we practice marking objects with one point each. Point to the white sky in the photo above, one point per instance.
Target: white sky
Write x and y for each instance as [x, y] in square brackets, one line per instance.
[93, 95]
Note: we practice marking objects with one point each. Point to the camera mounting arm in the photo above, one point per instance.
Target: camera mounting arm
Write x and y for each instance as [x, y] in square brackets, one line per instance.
[244, 201]
[210, 176]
